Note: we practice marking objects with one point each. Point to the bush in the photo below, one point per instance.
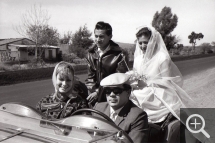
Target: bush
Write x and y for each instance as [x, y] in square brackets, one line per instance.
[209, 51]
[11, 77]
[19, 76]
[59, 56]
[78, 68]
[69, 57]
[189, 57]
[79, 61]
[16, 67]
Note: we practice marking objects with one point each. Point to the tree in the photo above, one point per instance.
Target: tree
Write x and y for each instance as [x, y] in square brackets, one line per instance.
[165, 22]
[33, 26]
[177, 49]
[193, 37]
[50, 36]
[66, 38]
[81, 41]
[205, 48]
[213, 43]
[171, 41]
[187, 49]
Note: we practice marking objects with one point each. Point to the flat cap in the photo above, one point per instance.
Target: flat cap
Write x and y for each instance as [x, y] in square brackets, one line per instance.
[115, 79]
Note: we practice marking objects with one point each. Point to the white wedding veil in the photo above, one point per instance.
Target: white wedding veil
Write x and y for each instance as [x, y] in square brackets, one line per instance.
[156, 65]
[163, 92]
[156, 48]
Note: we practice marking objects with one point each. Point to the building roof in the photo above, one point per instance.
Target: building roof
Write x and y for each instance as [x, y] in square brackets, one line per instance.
[24, 46]
[11, 40]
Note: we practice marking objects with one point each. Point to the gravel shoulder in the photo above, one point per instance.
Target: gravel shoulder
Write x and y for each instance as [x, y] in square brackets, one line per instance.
[201, 87]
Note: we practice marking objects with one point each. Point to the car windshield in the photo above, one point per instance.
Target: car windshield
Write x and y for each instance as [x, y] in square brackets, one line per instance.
[21, 127]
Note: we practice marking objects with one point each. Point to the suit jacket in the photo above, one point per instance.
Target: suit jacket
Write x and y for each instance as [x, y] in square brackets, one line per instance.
[131, 119]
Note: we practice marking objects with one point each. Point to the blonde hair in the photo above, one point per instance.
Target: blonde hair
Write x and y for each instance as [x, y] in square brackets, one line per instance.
[64, 70]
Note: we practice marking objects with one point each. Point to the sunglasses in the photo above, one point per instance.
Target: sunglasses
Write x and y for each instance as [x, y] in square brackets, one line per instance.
[115, 90]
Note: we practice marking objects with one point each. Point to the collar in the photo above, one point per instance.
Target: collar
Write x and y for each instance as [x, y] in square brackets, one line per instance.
[116, 111]
[121, 113]
[100, 52]
[63, 98]
[112, 47]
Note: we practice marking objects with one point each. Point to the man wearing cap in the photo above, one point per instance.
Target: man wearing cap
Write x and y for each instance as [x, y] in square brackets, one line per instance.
[105, 57]
[121, 110]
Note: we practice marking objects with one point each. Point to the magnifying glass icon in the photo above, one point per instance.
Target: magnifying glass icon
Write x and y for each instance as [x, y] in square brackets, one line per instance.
[196, 123]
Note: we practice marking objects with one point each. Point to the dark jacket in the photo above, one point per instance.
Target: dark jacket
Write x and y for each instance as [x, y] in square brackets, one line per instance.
[131, 119]
[112, 61]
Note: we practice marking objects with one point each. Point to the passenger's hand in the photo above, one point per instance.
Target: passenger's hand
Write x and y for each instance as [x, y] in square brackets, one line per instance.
[92, 97]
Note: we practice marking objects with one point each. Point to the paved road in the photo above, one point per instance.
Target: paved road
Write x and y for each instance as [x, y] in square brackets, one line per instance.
[31, 92]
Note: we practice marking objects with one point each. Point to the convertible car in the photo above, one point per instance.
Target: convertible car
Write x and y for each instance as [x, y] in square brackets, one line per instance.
[23, 124]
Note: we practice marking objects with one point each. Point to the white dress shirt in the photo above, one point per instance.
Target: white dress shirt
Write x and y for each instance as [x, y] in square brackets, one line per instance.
[114, 113]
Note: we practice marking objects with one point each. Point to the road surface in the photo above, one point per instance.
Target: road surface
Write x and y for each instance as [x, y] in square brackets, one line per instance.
[196, 73]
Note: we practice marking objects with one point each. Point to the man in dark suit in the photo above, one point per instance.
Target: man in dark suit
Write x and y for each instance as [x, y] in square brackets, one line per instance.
[121, 110]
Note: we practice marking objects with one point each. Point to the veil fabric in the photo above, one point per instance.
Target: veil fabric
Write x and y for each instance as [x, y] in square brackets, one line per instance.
[162, 93]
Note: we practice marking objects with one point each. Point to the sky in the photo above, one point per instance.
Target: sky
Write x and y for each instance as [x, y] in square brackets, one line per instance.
[123, 15]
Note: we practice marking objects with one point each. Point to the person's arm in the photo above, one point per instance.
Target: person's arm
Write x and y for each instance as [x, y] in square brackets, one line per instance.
[93, 97]
[139, 129]
[91, 79]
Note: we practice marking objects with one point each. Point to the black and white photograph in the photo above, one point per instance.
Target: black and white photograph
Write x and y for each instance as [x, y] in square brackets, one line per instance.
[107, 71]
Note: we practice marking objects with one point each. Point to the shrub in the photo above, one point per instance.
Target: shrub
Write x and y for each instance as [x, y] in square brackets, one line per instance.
[79, 61]
[59, 56]
[24, 66]
[189, 57]
[80, 67]
[12, 77]
[6, 67]
[16, 67]
[209, 51]
[69, 57]
[2, 67]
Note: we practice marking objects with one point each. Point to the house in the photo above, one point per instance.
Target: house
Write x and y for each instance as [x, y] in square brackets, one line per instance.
[23, 49]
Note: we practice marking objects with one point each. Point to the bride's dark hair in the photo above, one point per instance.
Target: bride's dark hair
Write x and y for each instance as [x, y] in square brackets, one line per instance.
[144, 32]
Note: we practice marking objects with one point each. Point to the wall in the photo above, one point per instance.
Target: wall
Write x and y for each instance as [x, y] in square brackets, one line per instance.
[13, 54]
[24, 56]
[54, 53]
[6, 56]
[3, 47]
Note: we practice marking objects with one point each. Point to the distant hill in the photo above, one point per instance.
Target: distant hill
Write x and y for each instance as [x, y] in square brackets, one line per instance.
[126, 45]
[130, 48]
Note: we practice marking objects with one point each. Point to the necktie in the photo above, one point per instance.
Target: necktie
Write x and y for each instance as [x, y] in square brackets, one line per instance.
[113, 116]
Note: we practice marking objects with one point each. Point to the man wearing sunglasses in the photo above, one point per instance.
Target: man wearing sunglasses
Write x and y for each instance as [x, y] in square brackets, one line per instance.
[121, 110]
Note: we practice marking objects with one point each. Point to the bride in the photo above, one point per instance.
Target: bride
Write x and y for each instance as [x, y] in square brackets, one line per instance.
[159, 86]
[156, 79]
